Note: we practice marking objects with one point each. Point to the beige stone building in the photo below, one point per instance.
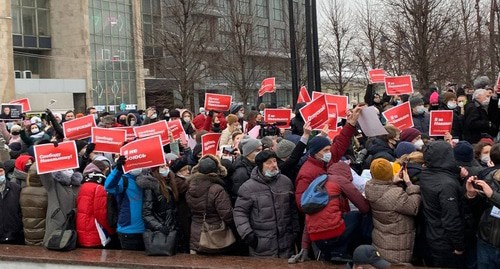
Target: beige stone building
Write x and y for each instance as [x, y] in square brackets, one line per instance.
[80, 53]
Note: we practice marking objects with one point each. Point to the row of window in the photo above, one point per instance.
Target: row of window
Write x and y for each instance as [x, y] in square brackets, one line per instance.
[30, 17]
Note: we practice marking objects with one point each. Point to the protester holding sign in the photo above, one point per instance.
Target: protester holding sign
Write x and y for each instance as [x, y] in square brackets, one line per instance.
[420, 115]
[128, 195]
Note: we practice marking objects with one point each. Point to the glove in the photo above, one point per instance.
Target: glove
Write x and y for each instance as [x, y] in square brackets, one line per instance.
[120, 163]
[90, 148]
[56, 144]
[252, 240]
[211, 113]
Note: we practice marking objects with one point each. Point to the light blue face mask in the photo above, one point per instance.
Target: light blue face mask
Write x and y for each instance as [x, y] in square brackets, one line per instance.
[136, 172]
[272, 173]
[327, 157]
[2, 180]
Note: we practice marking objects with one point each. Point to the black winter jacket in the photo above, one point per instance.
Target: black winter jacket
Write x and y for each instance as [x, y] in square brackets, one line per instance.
[11, 225]
[442, 198]
[242, 172]
[477, 122]
[290, 167]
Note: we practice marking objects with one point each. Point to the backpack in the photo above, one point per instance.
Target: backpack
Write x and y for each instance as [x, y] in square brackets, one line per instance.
[64, 239]
[315, 198]
[112, 206]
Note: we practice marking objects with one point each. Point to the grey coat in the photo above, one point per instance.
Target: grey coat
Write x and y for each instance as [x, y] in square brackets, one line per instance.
[62, 192]
[266, 207]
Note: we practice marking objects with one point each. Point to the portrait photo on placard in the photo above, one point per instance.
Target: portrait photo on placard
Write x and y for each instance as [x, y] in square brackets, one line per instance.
[11, 112]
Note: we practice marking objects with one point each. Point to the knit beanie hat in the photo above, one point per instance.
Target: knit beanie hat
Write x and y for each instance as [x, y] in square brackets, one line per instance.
[92, 168]
[284, 149]
[207, 166]
[416, 101]
[231, 118]
[317, 144]
[15, 128]
[447, 96]
[175, 113]
[464, 152]
[263, 156]
[2, 166]
[381, 169]
[404, 148]
[235, 108]
[100, 165]
[21, 162]
[248, 145]
[409, 134]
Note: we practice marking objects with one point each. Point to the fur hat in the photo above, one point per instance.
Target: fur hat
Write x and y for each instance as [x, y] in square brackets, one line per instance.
[317, 144]
[231, 118]
[409, 134]
[284, 149]
[381, 169]
[249, 145]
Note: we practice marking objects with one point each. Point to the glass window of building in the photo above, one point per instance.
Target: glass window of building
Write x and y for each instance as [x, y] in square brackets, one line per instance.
[113, 64]
[278, 10]
[29, 21]
[16, 23]
[30, 17]
[262, 36]
[279, 38]
[244, 7]
[262, 9]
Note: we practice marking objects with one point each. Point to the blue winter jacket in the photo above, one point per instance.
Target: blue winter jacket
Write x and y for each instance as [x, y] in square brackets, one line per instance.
[130, 216]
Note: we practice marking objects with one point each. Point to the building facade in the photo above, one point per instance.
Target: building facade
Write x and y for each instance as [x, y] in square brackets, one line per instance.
[79, 53]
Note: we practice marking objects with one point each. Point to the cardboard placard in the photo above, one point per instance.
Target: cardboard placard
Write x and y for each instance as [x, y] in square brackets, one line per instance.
[334, 133]
[303, 95]
[156, 128]
[177, 130]
[282, 117]
[332, 118]
[52, 159]
[340, 100]
[217, 102]
[398, 85]
[11, 112]
[108, 140]
[399, 116]
[440, 122]
[143, 153]
[315, 112]
[210, 143]
[268, 85]
[25, 102]
[130, 132]
[79, 128]
[377, 76]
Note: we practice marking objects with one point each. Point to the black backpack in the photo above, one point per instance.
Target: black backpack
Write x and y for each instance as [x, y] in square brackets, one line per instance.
[113, 208]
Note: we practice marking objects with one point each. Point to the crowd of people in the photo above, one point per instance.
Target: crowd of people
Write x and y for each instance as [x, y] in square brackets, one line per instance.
[400, 198]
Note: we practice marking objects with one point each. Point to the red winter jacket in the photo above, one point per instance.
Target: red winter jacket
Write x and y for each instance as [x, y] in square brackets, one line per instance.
[199, 121]
[91, 205]
[312, 168]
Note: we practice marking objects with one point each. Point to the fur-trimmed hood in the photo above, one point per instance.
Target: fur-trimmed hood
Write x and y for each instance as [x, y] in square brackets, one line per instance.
[64, 178]
[221, 170]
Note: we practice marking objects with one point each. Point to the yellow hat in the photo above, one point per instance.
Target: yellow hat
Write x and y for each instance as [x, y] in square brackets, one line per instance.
[381, 169]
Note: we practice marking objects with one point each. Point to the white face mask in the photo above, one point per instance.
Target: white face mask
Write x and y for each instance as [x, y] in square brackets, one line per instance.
[3, 179]
[419, 144]
[154, 116]
[271, 173]
[451, 105]
[420, 110]
[164, 171]
[132, 122]
[187, 119]
[461, 104]
[327, 157]
[241, 115]
[35, 130]
[485, 158]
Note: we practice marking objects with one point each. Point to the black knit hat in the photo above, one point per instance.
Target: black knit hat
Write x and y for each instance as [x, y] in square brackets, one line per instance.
[263, 156]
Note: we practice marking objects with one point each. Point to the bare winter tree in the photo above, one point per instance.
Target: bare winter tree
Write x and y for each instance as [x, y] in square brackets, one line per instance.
[242, 51]
[370, 33]
[183, 35]
[338, 46]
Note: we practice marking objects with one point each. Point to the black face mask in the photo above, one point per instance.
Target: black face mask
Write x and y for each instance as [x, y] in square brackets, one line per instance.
[27, 167]
[16, 133]
[122, 122]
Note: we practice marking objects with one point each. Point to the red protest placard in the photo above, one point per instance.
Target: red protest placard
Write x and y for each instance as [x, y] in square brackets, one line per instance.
[51, 159]
[210, 143]
[399, 116]
[25, 102]
[108, 140]
[130, 132]
[440, 122]
[268, 86]
[303, 95]
[377, 75]
[332, 118]
[341, 101]
[177, 130]
[334, 133]
[498, 83]
[281, 117]
[157, 128]
[79, 128]
[316, 112]
[398, 85]
[217, 102]
[143, 153]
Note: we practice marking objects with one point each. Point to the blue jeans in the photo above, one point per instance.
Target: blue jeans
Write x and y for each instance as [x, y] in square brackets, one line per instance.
[488, 256]
[337, 247]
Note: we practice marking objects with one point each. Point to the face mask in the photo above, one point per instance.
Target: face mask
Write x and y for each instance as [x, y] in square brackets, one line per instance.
[271, 173]
[122, 122]
[419, 144]
[377, 101]
[164, 171]
[327, 157]
[485, 158]
[27, 167]
[451, 105]
[420, 110]
[16, 133]
[68, 172]
[241, 115]
[461, 104]
[187, 119]
[154, 116]
[135, 172]
[2, 180]
[35, 130]
[399, 102]
[132, 122]
[39, 125]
